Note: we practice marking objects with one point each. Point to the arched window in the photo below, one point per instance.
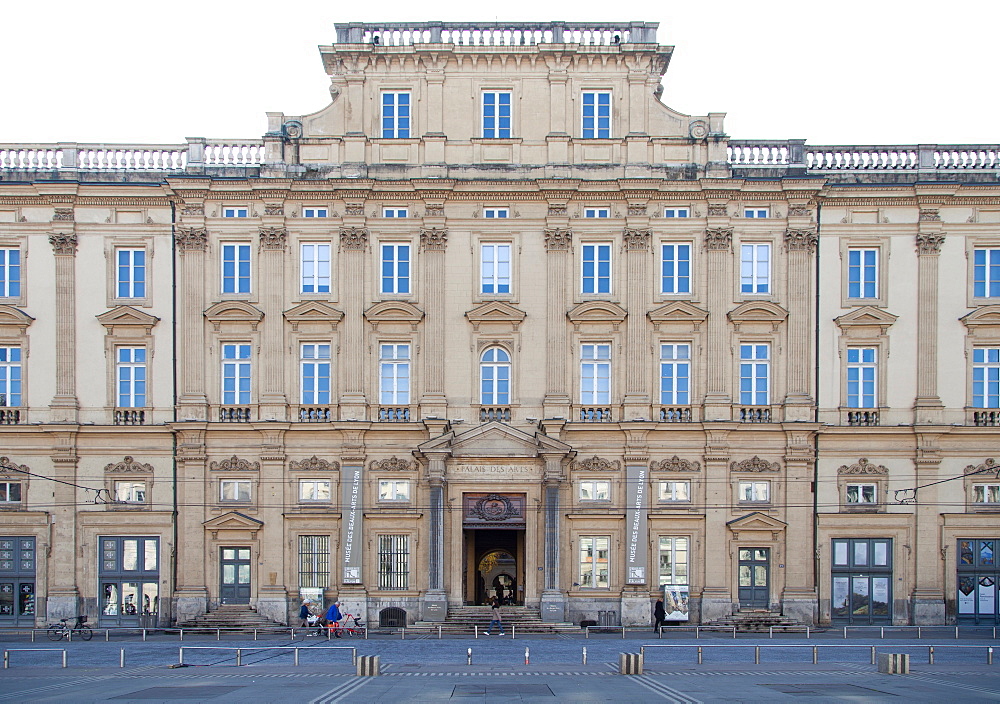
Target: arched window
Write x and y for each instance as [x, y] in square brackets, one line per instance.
[494, 377]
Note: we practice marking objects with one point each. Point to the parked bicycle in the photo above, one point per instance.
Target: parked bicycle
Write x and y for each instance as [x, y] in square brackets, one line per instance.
[58, 631]
[358, 629]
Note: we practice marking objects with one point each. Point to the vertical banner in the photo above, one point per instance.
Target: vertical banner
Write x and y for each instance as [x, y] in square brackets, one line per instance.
[636, 527]
[351, 512]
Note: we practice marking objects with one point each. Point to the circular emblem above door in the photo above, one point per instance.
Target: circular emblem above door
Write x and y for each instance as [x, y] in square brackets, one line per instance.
[494, 507]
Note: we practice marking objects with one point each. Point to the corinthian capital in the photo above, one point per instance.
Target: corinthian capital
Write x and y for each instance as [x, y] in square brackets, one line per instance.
[719, 238]
[273, 238]
[353, 238]
[557, 238]
[929, 244]
[63, 244]
[801, 240]
[191, 238]
[636, 239]
[433, 238]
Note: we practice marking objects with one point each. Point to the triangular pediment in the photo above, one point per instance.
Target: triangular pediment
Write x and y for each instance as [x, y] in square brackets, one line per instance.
[866, 316]
[388, 312]
[313, 312]
[678, 312]
[756, 521]
[15, 317]
[758, 312]
[984, 320]
[234, 520]
[494, 439]
[234, 312]
[496, 312]
[597, 312]
[127, 316]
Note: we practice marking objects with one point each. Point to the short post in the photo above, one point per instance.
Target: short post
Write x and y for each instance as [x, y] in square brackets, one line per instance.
[697, 632]
[989, 655]
[918, 632]
[107, 635]
[807, 631]
[476, 636]
[239, 657]
[756, 655]
[956, 632]
[882, 632]
[64, 657]
[699, 654]
[402, 634]
[33, 634]
[873, 655]
[586, 630]
[6, 658]
[513, 626]
[845, 632]
[255, 634]
[182, 634]
[734, 632]
[659, 632]
[623, 632]
[770, 632]
[439, 632]
[584, 656]
[296, 657]
[121, 658]
[366, 632]
[930, 655]
[180, 657]
[469, 657]
[143, 635]
[218, 634]
[815, 655]
[526, 660]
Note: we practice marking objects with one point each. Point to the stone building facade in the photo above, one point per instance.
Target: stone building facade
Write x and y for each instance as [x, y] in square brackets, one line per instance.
[497, 321]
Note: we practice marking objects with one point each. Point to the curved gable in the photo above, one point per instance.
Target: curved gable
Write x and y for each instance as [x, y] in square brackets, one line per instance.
[316, 312]
[234, 312]
[496, 312]
[597, 312]
[759, 312]
[388, 312]
[983, 322]
[14, 319]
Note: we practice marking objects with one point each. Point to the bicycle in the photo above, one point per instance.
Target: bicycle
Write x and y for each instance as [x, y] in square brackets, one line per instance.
[356, 630]
[58, 631]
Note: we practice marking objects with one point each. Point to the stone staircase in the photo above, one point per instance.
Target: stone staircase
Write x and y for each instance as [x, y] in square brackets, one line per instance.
[464, 619]
[232, 618]
[756, 621]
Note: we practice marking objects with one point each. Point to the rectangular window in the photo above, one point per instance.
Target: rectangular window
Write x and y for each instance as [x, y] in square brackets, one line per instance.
[131, 377]
[395, 212]
[596, 268]
[393, 562]
[394, 375]
[862, 366]
[235, 374]
[395, 268]
[675, 491]
[315, 366]
[675, 275]
[676, 212]
[314, 561]
[986, 377]
[759, 492]
[315, 212]
[235, 212]
[597, 212]
[597, 115]
[393, 490]
[594, 562]
[10, 492]
[10, 376]
[234, 489]
[315, 267]
[314, 490]
[756, 212]
[496, 115]
[10, 272]
[235, 268]
[986, 493]
[591, 490]
[495, 268]
[862, 273]
[595, 374]
[861, 493]
[674, 561]
[755, 268]
[490, 213]
[395, 114]
[675, 374]
[755, 375]
[986, 273]
[131, 267]
[130, 492]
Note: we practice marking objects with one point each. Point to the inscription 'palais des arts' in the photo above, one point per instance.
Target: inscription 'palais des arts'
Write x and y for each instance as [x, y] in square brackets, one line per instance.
[495, 471]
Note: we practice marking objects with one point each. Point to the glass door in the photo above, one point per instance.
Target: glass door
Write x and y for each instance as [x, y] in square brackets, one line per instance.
[235, 576]
[754, 578]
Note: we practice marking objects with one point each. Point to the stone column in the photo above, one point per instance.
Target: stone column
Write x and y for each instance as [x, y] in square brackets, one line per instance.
[714, 553]
[433, 243]
[718, 248]
[273, 595]
[799, 598]
[191, 595]
[63, 591]
[558, 261]
[927, 407]
[927, 605]
[636, 246]
[801, 246]
[354, 247]
[64, 404]
[191, 243]
[553, 599]
[435, 602]
[273, 403]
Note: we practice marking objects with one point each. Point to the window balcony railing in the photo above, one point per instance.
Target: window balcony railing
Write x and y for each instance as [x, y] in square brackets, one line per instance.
[130, 416]
[863, 418]
[234, 414]
[394, 414]
[676, 414]
[986, 418]
[755, 414]
[594, 414]
[10, 416]
[314, 414]
[500, 413]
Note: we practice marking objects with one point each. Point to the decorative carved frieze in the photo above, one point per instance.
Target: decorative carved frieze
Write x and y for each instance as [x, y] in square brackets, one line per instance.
[558, 238]
[8, 467]
[274, 210]
[988, 467]
[393, 464]
[434, 211]
[636, 209]
[63, 244]
[801, 240]
[433, 238]
[494, 507]
[273, 238]
[235, 464]
[193, 209]
[719, 239]
[754, 464]
[314, 464]
[675, 464]
[596, 464]
[191, 238]
[929, 244]
[716, 211]
[863, 466]
[799, 211]
[636, 239]
[558, 209]
[128, 465]
[63, 215]
[353, 238]
[354, 209]
[929, 215]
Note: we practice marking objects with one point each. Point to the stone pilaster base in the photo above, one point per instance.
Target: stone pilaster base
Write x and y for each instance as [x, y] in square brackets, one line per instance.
[801, 607]
[434, 605]
[715, 603]
[273, 605]
[553, 606]
[355, 602]
[61, 606]
[190, 605]
[928, 611]
[637, 610]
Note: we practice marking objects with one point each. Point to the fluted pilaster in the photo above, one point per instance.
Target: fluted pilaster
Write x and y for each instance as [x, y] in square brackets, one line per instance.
[64, 403]
[558, 249]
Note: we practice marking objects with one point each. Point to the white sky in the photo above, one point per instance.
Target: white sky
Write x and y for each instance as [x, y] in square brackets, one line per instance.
[848, 72]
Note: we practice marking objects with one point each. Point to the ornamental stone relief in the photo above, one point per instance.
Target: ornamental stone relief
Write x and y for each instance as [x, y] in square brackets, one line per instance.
[754, 464]
[675, 464]
[718, 239]
[558, 239]
[433, 238]
[354, 209]
[128, 465]
[929, 215]
[355, 238]
[314, 464]
[801, 240]
[555, 209]
[596, 464]
[988, 467]
[191, 238]
[273, 238]
[716, 211]
[799, 211]
[63, 244]
[193, 209]
[636, 209]
[636, 240]
[63, 215]
[8, 467]
[235, 464]
[393, 464]
[863, 466]
[929, 244]
[274, 210]
[434, 211]
[494, 507]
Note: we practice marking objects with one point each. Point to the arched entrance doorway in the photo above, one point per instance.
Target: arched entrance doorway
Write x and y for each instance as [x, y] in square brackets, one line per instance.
[494, 566]
[497, 570]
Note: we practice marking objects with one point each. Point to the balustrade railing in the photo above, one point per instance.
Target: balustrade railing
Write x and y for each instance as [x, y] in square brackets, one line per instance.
[394, 414]
[167, 158]
[791, 153]
[594, 414]
[234, 414]
[863, 418]
[986, 419]
[488, 413]
[497, 33]
[676, 414]
[314, 414]
[755, 414]
[130, 416]
[10, 416]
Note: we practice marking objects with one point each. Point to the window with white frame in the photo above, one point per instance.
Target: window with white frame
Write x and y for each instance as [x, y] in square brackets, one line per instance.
[675, 374]
[986, 493]
[491, 213]
[130, 492]
[495, 268]
[232, 211]
[675, 273]
[393, 212]
[395, 114]
[756, 212]
[395, 268]
[494, 377]
[234, 489]
[10, 376]
[315, 267]
[862, 377]
[595, 374]
[131, 377]
[496, 114]
[986, 377]
[10, 492]
[236, 267]
[314, 364]
[755, 492]
[595, 490]
[755, 375]
[314, 561]
[597, 114]
[10, 272]
[861, 494]
[314, 490]
[862, 273]
[393, 562]
[597, 212]
[676, 212]
[674, 567]
[755, 268]
[236, 370]
[130, 264]
[594, 562]
[674, 490]
[986, 272]
[394, 490]
[394, 374]
[596, 273]
[313, 212]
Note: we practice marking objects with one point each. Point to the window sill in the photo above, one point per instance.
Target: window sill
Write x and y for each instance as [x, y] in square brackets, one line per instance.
[984, 508]
[861, 508]
[497, 140]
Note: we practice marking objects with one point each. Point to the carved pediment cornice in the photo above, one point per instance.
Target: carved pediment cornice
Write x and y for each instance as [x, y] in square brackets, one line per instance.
[393, 464]
[234, 312]
[128, 465]
[863, 466]
[235, 464]
[313, 312]
[129, 317]
[597, 312]
[596, 464]
[678, 312]
[394, 312]
[675, 464]
[12, 317]
[754, 464]
[758, 312]
[496, 312]
[314, 464]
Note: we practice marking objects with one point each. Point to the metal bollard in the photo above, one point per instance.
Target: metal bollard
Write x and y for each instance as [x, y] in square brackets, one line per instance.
[439, 632]
[33, 634]
[918, 632]
[584, 656]
[255, 634]
[587, 632]
[469, 655]
[64, 658]
[180, 657]
[239, 657]
[756, 655]
[402, 634]
[734, 632]
[873, 655]
[699, 654]
[296, 657]
[182, 634]
[697, 632]
[882, 632]
[526, 656]
[513, 626]
[623, 632]
[770, 632]
[815, 655]
[6, 658]
[930, 655]
[218, 634]
[956, 632]
[107, 635]
[143, 635]
[989, 655]
[477, 632]
[121, 658]
[845, 632]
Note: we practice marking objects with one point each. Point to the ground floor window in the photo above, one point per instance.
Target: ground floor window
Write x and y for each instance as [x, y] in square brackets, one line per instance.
[862, 581]
[594, 562]
[129, 577]
[314, 561]
[393, 562]
[17, 580]
[978, 577]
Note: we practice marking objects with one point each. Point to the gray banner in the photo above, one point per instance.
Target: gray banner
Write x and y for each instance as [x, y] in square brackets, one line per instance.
[636, 489]
[351, 511]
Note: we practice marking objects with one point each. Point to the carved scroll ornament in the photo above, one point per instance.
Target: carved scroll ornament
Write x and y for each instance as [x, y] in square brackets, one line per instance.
[596, 464]
[314, 464]
[863, 466]
[128, 465]
[235, 464]
[675, 464]
[754, 464]
[393, 464]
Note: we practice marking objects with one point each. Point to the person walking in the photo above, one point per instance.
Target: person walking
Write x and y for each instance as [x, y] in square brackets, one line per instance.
[304, 613]
[659, 614]
[333, 615]
[495, 604]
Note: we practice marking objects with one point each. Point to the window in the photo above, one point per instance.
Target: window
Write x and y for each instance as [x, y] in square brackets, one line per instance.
[862, 581]
[495, 268]
[236, 268]
[315, 212]
[10, 492]
[756, 212]
[494, 375]
[130, 492]
[676, 212]
[10, 272]
[675, 276]
[395, 268]
[986, 377]
[986, 493]
[314, 490]
[861, 494]
[755, 370]
[395, 114]
[986, 273]
[597, 115]
[393, 490]
[673, 561]
[314, 561]
[595, 374]
[862, 273]
[131, 377]
[235, 374]
[131, 266]
[489, 213]
[315, 366]
[234, 489]
[675, 491]
[235, 212]
[393, 562]
[759, 492]
[595, 490]
[315, 268]
[496, 115]
[129, 580]
[10, 376]
[594, 562]
[394, 374]
[596, 268]
[597, 212]
[755, 268]
[675, 374]
[861, 377]
[394, 212]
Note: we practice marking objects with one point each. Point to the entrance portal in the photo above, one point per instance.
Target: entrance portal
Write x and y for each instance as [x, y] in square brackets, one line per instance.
[494, 566]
